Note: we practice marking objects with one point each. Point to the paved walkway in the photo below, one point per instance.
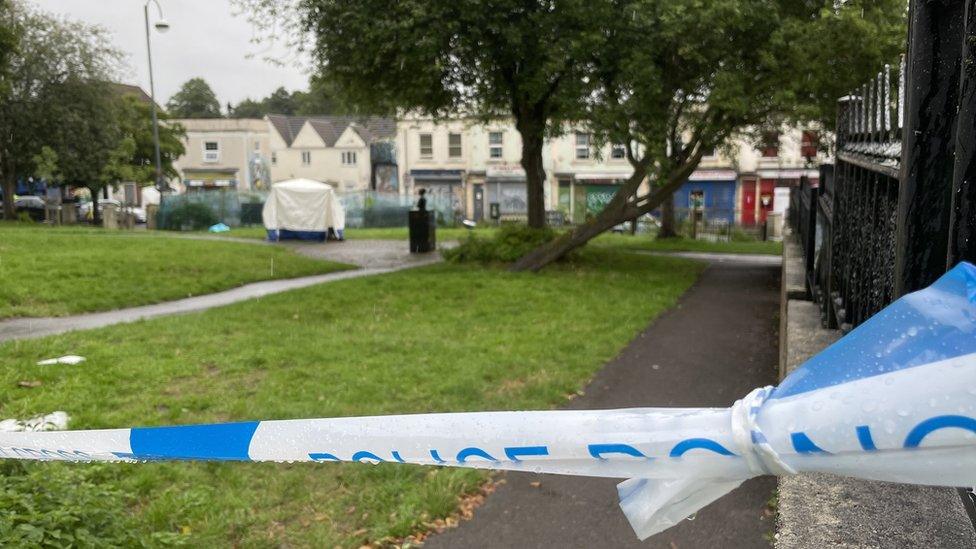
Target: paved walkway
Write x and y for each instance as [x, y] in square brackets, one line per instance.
[376, 257]
[714, 257]
[717, 344]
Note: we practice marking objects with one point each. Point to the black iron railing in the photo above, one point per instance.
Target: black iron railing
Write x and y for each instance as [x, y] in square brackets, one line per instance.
[898, 208]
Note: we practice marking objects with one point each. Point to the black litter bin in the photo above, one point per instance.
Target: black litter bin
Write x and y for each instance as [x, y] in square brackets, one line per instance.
[422, 232]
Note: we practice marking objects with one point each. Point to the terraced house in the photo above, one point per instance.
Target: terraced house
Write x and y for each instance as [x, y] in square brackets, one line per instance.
[350, 153]
[476, 164]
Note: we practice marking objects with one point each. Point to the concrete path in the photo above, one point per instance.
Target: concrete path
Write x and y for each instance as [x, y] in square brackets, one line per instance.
[365, 253]
[376, 257]
[717, 344]
[713, 257]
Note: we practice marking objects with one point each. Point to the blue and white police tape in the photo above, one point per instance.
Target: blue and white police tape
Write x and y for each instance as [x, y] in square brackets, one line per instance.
[894, 400]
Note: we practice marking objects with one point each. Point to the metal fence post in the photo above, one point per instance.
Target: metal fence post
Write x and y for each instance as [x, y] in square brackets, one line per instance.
[962, 227]
[924, 200]
[810, 234]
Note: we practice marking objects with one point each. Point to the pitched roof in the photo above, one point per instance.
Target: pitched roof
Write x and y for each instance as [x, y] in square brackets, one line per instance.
[330, 128]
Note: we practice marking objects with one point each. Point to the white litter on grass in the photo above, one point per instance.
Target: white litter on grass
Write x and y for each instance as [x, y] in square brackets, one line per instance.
[66, 359]
[55, 421]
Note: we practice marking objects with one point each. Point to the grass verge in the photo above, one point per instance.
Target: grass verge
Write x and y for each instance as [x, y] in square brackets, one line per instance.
[681, 244]
[439, 338]
[48, 271]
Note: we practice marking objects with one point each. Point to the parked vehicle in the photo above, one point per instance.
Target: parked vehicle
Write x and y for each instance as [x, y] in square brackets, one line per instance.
[30, 204]
[84, 210]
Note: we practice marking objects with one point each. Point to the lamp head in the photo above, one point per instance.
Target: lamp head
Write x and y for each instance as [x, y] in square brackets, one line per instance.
[162, 26]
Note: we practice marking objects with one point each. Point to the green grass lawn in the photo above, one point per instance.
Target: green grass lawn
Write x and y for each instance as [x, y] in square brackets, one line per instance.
[433, 339]
[48, 271]
[680, 244]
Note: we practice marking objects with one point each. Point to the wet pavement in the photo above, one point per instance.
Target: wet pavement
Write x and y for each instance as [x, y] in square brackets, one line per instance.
[713, 347]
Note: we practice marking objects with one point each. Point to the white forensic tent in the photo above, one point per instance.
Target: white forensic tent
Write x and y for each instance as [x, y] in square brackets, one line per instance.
[302, 209]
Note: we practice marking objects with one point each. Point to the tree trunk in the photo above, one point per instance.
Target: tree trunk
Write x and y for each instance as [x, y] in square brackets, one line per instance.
[619, 209]
[533, 139]
[667, 219]
[96, 215]
[9, 187]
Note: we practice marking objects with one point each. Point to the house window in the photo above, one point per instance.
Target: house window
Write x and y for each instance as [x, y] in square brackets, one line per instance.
[708, 152]
[809, 144]
[582, 146]
[257, 145]
[348, 158]
[274, 158]
[770, 145]
[426, 145]
[495, 144]
[454, 145]
[211, 151]
[618, 152]
[306, 158]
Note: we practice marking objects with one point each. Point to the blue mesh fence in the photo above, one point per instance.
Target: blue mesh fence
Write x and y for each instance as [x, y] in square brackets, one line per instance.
[198, 210]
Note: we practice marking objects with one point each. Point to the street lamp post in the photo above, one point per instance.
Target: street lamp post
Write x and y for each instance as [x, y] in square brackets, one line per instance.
[161, 26]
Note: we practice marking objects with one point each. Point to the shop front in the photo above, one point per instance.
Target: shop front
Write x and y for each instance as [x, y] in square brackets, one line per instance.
[206, 180]
[591, 192]
[770, 180]
[445, 188]
[505, 186]
[711, 192]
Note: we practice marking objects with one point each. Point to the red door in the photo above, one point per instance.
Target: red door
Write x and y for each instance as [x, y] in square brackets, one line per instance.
[765, 198]
[748, 202]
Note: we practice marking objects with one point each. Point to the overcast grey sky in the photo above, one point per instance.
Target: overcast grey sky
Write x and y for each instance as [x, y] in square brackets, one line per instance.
[205, 39]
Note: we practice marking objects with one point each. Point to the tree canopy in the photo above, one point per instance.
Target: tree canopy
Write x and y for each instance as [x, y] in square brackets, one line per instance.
[525, 60]
[133, 157]
[643, 72]
[321, 98]
[64, 120]
[749, 68]
[8, 45]
[194, 100]
[56, 96]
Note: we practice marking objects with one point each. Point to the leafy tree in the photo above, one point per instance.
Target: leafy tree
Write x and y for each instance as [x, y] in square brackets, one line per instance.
[132, 159]
[194, 100]
[55, 96]
[281, 101]
[135, 158]
[8, 45]
[501, 58]
[750, 66]
[320, 99]
[46, 166]
[87, 135]
[247, 108]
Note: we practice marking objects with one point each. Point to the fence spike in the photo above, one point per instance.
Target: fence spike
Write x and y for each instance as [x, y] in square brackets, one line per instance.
[866, 109]
[886, 120]
[901, 92]
[878, 102]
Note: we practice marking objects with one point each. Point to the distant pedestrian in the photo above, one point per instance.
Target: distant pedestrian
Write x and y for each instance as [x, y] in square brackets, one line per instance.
[422, 203]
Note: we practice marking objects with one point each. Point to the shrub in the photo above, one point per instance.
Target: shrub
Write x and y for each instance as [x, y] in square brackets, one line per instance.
[66, 505]
[192, 215]
[509, 243]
